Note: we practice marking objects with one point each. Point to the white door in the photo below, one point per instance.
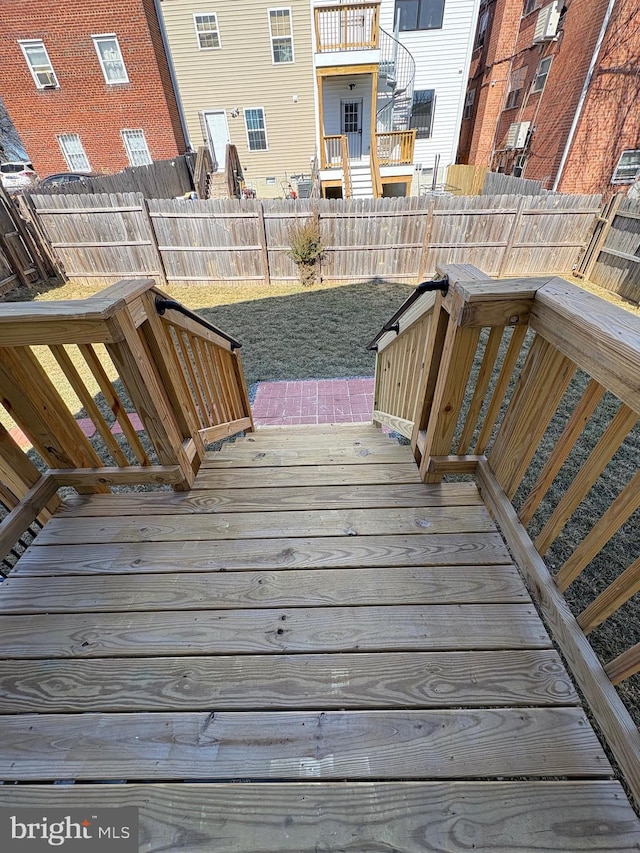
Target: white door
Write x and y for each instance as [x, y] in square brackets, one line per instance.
[218, 133]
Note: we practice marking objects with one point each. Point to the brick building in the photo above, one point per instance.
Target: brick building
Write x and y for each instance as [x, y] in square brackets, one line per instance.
[553, 93]
[88, 84]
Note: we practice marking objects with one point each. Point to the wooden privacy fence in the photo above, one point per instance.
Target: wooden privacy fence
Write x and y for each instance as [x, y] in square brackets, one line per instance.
[202, 242]
[612, 258]
[24, 257]
[531, 384]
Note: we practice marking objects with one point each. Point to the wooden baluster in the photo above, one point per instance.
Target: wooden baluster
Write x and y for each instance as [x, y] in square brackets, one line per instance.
[541, 386]
[620, 510]
[598, 460]
[576, 423]
[19, 474]
[625, 665]
[484, 377]
[613, 597]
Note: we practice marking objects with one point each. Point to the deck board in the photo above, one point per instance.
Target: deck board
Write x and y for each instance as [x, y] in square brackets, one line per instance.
[300, 629]
[309, 616]
[287, 682]
[296, 745]
[265, 499]
[363, 817]
[234, 590]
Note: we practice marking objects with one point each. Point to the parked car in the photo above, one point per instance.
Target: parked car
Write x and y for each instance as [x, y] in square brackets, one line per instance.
[52, 181]
[17, 176]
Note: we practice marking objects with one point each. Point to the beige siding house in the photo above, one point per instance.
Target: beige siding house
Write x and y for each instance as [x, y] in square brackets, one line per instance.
[244, 70]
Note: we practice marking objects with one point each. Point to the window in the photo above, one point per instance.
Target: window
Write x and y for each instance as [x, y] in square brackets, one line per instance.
[628, 168]
[483, 22]
[529, 6]
[420, 14]
[73, 152]
[422, 112]
[256, 131]
[136, 147]
[39, 64]
[468, 104]
[281, 35]
[207, 31]
[108, 51]
[516, 83]
[541, 74]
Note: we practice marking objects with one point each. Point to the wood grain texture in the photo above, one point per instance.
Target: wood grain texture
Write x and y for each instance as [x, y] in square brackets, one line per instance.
[260, 525]
[329, 629]
[283, 745]
[232, 456]
[307, 475]
[268, 499]
[287, 682]
[412, 817]
[229, 590]
[322, 552]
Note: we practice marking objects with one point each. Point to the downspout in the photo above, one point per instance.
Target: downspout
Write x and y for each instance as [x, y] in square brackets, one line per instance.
[583, 94]
[172, 72]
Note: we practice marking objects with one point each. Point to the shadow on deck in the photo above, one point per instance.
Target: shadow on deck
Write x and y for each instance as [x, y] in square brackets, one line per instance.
[311, 649]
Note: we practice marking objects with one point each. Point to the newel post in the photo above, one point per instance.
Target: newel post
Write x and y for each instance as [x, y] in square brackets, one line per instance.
[473, 302]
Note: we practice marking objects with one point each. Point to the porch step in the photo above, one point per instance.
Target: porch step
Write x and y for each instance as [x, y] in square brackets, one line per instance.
[361, 182]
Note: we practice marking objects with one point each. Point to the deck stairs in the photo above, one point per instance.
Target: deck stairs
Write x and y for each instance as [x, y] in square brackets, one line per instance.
[361, 179]
[310, 650]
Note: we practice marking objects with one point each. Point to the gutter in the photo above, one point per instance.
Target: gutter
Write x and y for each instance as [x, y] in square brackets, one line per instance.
[583, 94]
[172, 73]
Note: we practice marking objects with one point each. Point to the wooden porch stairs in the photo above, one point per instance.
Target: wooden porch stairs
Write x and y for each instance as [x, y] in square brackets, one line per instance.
[311, 650]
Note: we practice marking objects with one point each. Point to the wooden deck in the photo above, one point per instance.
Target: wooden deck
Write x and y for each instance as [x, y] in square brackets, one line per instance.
[311, 650]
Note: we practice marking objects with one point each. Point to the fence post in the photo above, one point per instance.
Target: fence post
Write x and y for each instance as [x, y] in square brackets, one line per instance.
[262, 237]
[426, 242]
[511, 239]
[146, 218]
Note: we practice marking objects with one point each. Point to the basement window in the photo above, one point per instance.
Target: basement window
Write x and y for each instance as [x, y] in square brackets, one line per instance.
[110, 57]
[628, 168]
[73, 152]
[39, 64]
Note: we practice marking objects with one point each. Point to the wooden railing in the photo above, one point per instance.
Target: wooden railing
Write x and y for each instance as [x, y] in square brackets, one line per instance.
[351, 26]
[155, 388]
[395, 148]
[532, 385]
[334, 154]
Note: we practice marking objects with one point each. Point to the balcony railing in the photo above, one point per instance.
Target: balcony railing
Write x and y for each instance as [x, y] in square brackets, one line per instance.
[395, 148]
[347, 27]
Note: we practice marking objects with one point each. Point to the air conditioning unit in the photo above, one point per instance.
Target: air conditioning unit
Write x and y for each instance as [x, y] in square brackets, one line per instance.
[547, 23]
[517, 136]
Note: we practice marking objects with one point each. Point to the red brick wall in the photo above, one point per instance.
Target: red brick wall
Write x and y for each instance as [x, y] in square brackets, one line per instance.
[84, 103]
[609, 121]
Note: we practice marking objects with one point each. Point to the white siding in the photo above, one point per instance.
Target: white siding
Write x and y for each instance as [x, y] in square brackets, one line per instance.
[442, 60]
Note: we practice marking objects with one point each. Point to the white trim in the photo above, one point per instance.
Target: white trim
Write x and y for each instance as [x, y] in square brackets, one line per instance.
[204, 32]
[290, 36]
[129, 149]
[110, 37]
[264, 128]
[27, 43]
[73, 167]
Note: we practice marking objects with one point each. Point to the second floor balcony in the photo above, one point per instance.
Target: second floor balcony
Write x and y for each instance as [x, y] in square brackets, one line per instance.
[347, 27]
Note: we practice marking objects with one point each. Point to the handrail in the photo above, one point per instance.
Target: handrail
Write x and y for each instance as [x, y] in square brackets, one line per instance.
[346, 166]
[393, 324]
[163, 305]
[544, 335]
